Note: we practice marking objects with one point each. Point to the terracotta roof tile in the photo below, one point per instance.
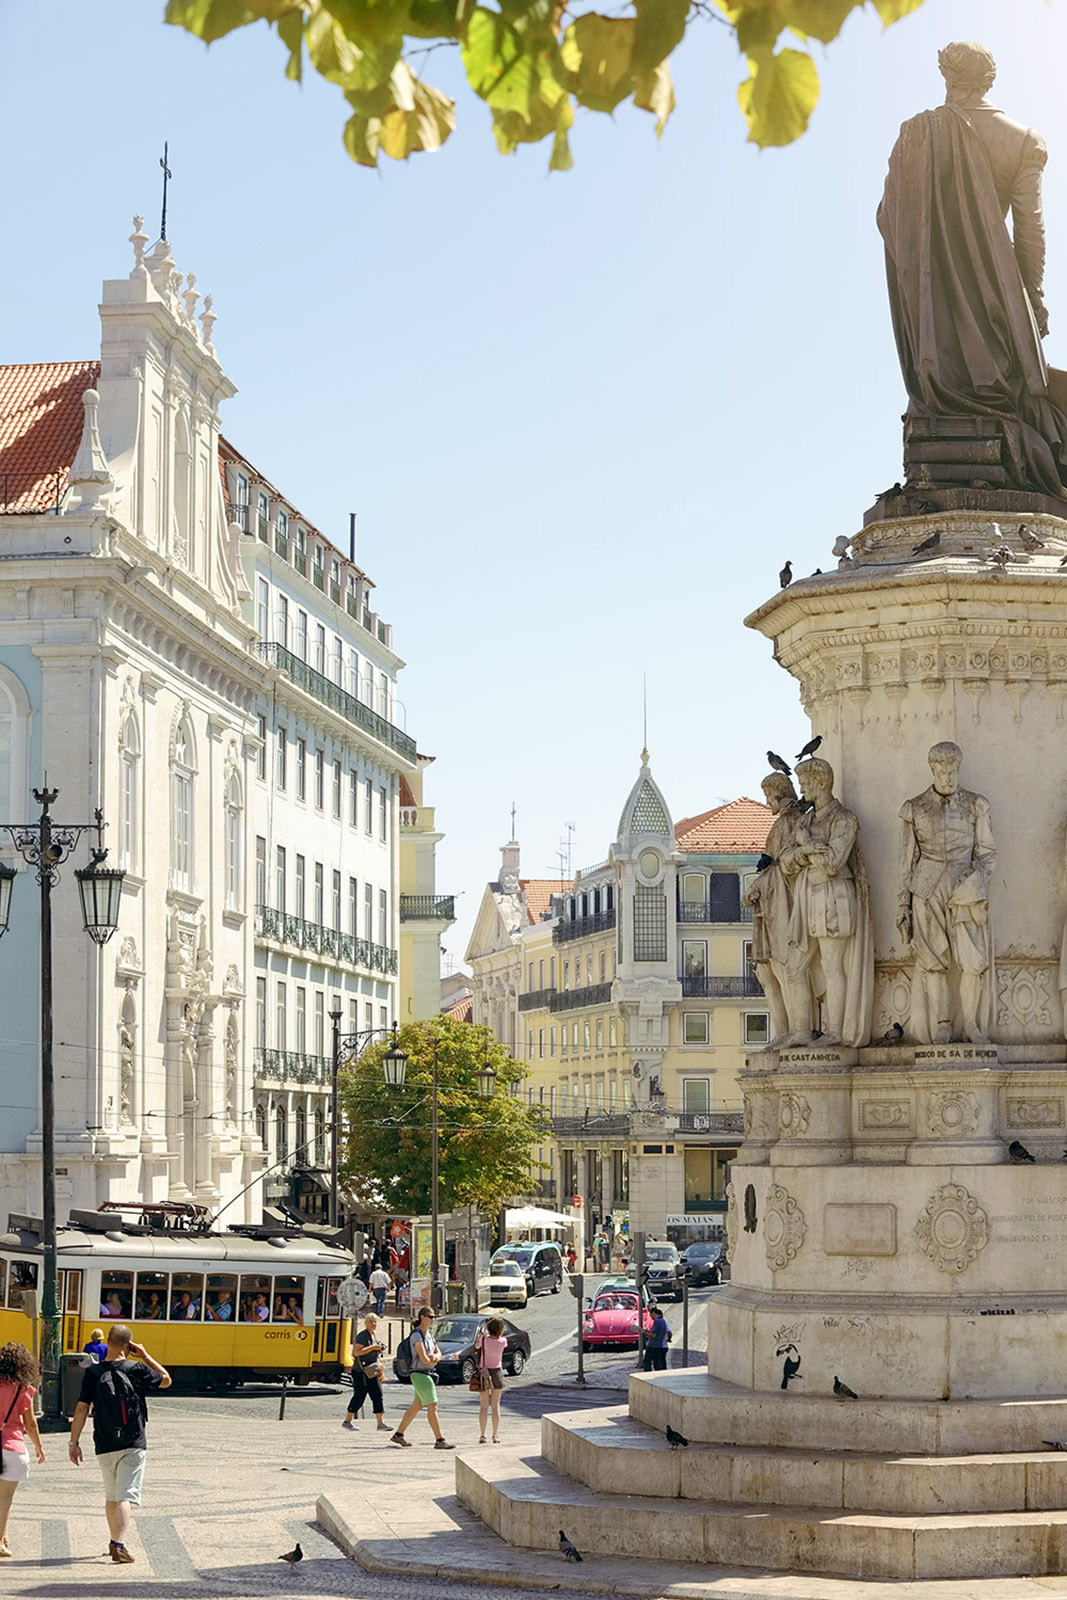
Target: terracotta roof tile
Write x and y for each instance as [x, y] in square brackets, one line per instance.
[407, 799]
[741, 825]
[462, 1009]
[41, 418]
[537, 894]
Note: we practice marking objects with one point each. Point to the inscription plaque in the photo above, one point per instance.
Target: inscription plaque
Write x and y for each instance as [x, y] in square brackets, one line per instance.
[859, 1230]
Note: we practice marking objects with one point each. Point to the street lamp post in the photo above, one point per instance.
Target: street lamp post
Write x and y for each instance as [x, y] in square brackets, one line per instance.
[44, 844]
[352, 1044]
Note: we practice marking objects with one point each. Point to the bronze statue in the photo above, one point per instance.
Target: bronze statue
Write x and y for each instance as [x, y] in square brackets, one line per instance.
[966, 297]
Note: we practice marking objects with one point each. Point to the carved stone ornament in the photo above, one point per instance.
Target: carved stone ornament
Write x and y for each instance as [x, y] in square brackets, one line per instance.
[783, 1227]
[731, 1221]
[746, 1106]
[794, 1114]
[1024, 1112]
[953, 1229]
[953, 1114]
[1024, 995]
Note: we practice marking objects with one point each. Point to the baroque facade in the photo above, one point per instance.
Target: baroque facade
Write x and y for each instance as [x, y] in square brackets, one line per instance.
[631, 995]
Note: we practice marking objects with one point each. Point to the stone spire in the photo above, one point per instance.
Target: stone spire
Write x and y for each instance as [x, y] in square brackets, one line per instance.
[89, 475]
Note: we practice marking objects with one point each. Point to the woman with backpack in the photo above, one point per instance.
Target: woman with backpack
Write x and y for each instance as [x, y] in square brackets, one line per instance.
[18, 1379]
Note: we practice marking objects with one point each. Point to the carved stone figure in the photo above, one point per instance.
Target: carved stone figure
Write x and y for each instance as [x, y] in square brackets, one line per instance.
[771, 903]
[966, 298]
[947, 855]
[831, 954]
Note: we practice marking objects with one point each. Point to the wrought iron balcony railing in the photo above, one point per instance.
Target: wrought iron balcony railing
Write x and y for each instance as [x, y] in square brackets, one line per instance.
[722, 988]
[594, 994]
[725, 1122]
[286, 929]
[294, 1067]
[537, 1000]
[338, 699]
[704, 911]
[582, 927]
[427, 907]
[599, 1124]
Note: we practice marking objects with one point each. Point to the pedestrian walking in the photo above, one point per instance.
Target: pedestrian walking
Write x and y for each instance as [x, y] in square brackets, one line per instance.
[659, 1338]
[97, 1346]
[425, 1354]
[380, 1285]
[18, 1379]
[571, 1258]
[367, 1374]
[115, 1393]
[489, 1350]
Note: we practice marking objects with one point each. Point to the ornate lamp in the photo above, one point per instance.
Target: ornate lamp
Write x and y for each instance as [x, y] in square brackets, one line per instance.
[100, 888]
[7, 878]
[486, 1081]
[395, 1066]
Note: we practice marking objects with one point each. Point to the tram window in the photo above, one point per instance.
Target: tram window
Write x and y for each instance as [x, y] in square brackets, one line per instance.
[74, 1284]
[150, 1303]
[333, 1307]
[255, 1298]
[116, 1294]
[288, 1299]
[23, 1276]
[221, 1297]
[3, 1279]
[186, 1296]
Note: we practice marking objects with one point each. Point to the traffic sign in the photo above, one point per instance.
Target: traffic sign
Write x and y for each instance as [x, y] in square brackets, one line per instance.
[576, 1200]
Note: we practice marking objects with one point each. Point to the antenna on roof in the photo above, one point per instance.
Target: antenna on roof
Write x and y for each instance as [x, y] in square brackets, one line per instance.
[564, 854]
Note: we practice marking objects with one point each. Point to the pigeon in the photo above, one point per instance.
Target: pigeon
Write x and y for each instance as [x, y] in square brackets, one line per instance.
[919, 504]
[777, 763]
[293, 1556]
[785, 577]
[1055, 1444]
[892, 1035]
[810, 748]
[892, 492]
[843, 1392]
[674, 1438]
[1019, 1153]
[766, 861]
[567, 1550]
[928, 544]
[817, 573]
[1000, 557]
[1030, 541]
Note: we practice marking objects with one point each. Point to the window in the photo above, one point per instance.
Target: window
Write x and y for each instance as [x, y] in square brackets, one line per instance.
[530, 978]
[566, 974]
[353, 674]
[757, 1030]
[541, 973]
[338, 661]
[300, 1149]
[130, 755]
[612, 1091]
[650, 924]
[563, 1039]
[383, 694]
[337, 789]
[261, 871]
[694, 958]
[320, 648]
[574, 1037]
[598, 1090]
[261, 1122]
[280, 1016]
[693, 891]
[299, 878]
[530, 1045]
[281, 1134]
[182, 806]
[301, 640]
[320, 780]
[261, 1013]
[368, 1015]
[320, 1137]
[242, 499]
[600, 1033]
[283, 621]
[254, 1303]
[368, 807]
[552, 973]
[221, 1304]
[383, 1016]
[283, 758]
[337, 901]
[383, 815]
[696, 1095]
[368, 912]
[261, 753]
[264, 513]
[603, 966]
[301, 1019]
[317, 915]
[749, 963]
[233, 842]
[116, 1295]
[383, 917]
[320, 1023]
[152, 1296]
[263, 608]
[283, 523]
[353, 798]
[353, 907]
[585, 1034]
[589, 970]
[613, 1032]
[725, 897]
[695, 1027]
[540, 1044]
[279, 877]
[301, 769]
[552, 1042]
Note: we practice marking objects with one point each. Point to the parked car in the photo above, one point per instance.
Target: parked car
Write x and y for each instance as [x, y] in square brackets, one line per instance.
[660, 1262]
[507, 1283]
[705, 1262]
[612, 1319]
[458, 1363]
[541, 1263]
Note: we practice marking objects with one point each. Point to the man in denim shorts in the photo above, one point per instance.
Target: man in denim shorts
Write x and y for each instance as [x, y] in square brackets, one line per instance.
[119, 1414]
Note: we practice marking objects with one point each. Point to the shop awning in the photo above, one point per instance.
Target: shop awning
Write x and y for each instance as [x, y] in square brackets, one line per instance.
[535, 1217]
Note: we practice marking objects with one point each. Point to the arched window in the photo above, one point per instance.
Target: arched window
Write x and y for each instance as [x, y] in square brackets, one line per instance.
[261, 1123]
[233, 842]
[320, 1137]
[281, 1134]
[183, 494]
[183, 769]
[301, 1133]
[129, 765]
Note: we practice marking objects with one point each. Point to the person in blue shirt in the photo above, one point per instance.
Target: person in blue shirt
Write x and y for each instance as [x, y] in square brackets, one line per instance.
[657, 1342]
[222, 1310]
[96, 1346]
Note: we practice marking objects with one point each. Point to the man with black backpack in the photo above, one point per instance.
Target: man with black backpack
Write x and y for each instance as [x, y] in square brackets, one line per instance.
[115, 1392]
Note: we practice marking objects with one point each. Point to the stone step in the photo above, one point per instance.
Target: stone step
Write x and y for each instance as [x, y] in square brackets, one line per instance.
[709, 1410]
[611, 1453]
[527, 1500]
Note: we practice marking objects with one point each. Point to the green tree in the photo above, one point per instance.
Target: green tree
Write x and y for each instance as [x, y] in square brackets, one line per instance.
[486, 1146]
[533, 61]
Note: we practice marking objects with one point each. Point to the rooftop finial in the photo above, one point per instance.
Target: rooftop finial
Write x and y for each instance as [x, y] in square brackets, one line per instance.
[208, 320]
[89, 474]
[139, 240]
[191, 296]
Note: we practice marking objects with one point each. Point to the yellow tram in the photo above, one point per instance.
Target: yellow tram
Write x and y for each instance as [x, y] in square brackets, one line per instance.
[214, 1308]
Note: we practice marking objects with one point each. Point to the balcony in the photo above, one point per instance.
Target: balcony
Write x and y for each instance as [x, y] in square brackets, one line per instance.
[731, 1123]
[291, 1066]
[318, 576]
[338, 699]
[582, 927]
[538, 1000]
[281, 543]
[327, 942]
[598, 1124]
[704, 911]
[748, 987]
[595, 994]
[427, 908]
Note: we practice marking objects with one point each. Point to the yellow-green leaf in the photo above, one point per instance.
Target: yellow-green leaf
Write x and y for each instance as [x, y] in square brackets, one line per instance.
[423, 122]
[437, 19]
[891, 11]
[369, 22]
[655, 92]
[211, 19]
[598, 53]
[816, 19]
[758, 30]
[660, 29]
[490, 49]
[561, 160]
[291, 33]
[778, 97]
[341, 61]
[361, 139]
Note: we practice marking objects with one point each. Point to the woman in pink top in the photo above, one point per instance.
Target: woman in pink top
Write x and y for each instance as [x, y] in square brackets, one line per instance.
[489, 1350]
[18, 1375]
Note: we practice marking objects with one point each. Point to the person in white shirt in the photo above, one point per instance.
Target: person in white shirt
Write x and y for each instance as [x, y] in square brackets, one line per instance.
[380, 1284]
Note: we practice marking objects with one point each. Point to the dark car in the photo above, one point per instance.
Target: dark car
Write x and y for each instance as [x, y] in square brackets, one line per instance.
[541, 1263]
[705, 1262]
[660, 1262]
[456, 1336]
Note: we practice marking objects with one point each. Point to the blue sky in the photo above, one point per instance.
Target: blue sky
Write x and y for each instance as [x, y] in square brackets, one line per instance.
[583, 419]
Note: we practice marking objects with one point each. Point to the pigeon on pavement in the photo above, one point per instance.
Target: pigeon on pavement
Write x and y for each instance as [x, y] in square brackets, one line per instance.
[843, 1392]
[674, 1438]
[293, 1556]
[567, 1550]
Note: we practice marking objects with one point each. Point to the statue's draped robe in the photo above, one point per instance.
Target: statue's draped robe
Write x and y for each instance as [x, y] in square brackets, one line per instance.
[965, 327]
